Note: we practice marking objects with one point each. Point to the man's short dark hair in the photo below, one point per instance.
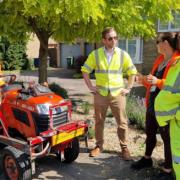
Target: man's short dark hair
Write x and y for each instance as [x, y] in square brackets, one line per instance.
[106, 31]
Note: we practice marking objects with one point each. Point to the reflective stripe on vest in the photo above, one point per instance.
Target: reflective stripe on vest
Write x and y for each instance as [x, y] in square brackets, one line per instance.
[171, 89]
[176, 159]
[109, 71]
[175, 88]
[177, 83]
[111, 89]
[121, 60]
[167, 113]
[88, 68]
[129, 68]
[97, 59]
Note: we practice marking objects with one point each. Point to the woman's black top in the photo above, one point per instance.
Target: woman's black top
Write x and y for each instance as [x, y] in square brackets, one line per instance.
[154, 91]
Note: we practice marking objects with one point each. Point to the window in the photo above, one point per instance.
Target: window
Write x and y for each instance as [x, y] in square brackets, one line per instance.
[133, 47]
[171, 25]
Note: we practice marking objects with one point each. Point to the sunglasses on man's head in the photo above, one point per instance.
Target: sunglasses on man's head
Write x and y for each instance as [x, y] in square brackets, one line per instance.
[111, 38]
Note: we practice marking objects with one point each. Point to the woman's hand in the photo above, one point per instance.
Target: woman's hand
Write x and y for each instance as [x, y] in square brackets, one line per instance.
[152, 79]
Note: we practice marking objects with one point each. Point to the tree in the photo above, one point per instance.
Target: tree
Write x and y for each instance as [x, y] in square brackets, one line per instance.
[67, 20]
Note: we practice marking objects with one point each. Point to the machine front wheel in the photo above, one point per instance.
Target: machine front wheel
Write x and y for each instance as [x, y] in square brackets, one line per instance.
[16, 164]
[72, 152]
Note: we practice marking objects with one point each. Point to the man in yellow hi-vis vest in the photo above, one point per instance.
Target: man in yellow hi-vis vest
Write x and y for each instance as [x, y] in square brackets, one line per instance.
[167, 107]
[109, 63]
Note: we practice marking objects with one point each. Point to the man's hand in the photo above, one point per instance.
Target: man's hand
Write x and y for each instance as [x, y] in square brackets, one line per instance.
[93, 89]
[125, 92]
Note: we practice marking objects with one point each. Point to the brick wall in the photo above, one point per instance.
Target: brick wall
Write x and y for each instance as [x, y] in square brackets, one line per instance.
[149, 55]
[139, 67]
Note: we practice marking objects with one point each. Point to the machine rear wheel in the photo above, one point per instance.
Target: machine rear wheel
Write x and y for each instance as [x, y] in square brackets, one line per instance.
[72, 152]
[16, 164]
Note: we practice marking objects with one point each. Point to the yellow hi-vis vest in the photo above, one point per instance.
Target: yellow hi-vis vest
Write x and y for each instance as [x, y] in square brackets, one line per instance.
[109, 77]
[1, 79]
[167, 107]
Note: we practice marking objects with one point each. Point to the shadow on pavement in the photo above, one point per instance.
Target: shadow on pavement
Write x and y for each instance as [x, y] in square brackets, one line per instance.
[56, 72]
[106, 166]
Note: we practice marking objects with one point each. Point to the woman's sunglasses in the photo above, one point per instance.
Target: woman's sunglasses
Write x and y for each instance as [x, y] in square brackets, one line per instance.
[158, 41]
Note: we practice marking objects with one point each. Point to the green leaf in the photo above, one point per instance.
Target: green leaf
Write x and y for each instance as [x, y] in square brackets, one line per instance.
[69, 20]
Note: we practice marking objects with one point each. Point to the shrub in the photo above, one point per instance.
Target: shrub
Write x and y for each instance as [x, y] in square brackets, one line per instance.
[12, 54]
[58, 90]
[15, 58]
[28, 65]
[136, 111]
[77, 76]
[81, 107]
[91, 130]
[1, 57]
[85, 107]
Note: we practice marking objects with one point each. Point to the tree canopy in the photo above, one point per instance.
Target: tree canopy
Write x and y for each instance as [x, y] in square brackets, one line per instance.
[67, 20]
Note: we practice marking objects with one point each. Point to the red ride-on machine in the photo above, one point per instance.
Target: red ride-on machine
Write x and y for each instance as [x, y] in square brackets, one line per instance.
[33, 123]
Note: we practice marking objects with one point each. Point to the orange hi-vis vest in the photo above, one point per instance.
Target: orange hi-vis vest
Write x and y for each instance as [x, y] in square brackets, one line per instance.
[160, 82]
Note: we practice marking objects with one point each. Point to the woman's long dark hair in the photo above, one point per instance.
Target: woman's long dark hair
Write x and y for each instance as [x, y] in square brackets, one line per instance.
[172, 38]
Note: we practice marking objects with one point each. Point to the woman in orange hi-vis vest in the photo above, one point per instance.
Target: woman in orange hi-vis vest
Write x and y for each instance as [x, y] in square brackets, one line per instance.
[167, 46]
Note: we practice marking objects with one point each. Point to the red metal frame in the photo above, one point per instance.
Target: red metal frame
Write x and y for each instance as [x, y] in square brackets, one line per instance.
[66, 103]
[3, 124]
[28, 147]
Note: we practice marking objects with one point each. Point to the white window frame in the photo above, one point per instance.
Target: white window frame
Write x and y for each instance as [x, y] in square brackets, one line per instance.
[169, 29]
[138, 56]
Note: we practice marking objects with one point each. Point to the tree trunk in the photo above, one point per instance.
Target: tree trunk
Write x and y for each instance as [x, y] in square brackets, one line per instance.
[43, 54]
[43, 37]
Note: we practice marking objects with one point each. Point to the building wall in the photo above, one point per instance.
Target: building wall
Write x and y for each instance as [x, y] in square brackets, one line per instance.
[33, 47]
[33, 50]
[149, 55]
[139, 67]
[68, 51]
